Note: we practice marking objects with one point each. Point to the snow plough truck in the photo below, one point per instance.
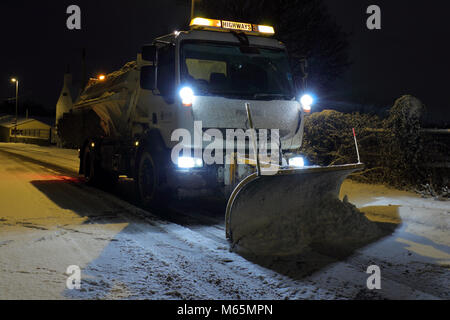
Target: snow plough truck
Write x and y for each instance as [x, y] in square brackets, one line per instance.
[208, 111]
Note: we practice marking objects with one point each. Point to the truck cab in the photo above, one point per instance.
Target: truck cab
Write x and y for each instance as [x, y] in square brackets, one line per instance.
[187, 99]
[216, 71]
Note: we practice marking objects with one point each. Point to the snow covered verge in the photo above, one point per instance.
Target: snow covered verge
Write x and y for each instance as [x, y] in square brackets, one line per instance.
[62, 159]
[49, 221]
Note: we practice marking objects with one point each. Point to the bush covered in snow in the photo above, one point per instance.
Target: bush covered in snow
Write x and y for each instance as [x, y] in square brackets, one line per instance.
[393, 149]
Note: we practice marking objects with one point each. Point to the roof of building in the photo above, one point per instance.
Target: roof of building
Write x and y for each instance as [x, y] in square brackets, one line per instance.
[9, 121]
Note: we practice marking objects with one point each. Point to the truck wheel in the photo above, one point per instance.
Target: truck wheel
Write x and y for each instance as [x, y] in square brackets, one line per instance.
[148, 181]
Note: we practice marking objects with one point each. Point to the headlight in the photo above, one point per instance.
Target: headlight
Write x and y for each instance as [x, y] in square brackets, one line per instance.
[297, 162]
[307, 101]
[189, 163]
[187, 96]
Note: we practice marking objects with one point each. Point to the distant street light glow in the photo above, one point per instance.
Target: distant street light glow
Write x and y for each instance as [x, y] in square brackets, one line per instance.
[16, 81]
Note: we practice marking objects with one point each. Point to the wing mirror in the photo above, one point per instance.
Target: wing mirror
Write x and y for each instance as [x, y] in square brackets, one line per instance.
[149, 69]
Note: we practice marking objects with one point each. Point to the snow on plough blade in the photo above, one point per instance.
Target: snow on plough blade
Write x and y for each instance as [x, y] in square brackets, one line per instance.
[275, 215]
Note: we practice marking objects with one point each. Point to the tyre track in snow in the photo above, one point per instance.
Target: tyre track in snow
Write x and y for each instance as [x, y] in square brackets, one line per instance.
[216, 268]
[192, 252]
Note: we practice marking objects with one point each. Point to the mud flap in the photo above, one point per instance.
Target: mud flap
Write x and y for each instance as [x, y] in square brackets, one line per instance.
[269, 215]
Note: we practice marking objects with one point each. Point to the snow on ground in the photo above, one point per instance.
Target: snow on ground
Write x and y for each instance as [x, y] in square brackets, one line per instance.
[50, 220]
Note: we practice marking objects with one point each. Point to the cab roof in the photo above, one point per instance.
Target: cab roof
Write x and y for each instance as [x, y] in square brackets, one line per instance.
[216, 36]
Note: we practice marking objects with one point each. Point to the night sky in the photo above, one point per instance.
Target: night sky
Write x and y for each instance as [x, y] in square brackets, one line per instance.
[409, 55]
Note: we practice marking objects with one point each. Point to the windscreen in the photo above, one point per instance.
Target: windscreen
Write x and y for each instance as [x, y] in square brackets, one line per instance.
[234, 71]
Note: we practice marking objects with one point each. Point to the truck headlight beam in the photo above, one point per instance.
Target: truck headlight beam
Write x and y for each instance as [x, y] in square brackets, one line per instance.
[189, 163]
[297, 162]
[187, 96]
[307, 101]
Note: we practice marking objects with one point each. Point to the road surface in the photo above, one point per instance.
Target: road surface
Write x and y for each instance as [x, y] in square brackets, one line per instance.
[50, 220]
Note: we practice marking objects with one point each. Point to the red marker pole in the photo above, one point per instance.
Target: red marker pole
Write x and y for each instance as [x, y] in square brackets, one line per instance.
[356, 145]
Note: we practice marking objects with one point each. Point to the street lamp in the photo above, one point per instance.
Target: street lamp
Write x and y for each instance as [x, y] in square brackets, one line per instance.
[17, 104]
[100, 78]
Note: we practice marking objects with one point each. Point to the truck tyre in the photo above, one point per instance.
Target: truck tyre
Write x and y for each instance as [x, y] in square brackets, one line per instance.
[148, 181]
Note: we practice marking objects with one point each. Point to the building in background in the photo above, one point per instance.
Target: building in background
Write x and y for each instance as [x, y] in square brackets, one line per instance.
[64, 104]
[65, 101]
[28, 131]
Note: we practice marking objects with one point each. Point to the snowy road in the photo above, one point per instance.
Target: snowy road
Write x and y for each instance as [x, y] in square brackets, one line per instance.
[50, 220]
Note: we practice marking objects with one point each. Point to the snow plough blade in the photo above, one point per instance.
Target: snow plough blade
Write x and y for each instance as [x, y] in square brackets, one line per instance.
[271, 215]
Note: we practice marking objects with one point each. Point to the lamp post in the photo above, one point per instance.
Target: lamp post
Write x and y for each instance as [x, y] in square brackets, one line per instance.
[17, 104]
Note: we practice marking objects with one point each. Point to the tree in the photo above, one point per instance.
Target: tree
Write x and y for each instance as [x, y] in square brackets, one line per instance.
[306, 28]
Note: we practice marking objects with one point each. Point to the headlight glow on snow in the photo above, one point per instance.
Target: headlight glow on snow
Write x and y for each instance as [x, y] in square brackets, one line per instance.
[187, 96]
[307, 101]
[189, 163]
[297, 162]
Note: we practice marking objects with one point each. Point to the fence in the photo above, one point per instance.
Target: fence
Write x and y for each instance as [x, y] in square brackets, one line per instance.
[437, 142]
[32, 133]
[32, 136]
